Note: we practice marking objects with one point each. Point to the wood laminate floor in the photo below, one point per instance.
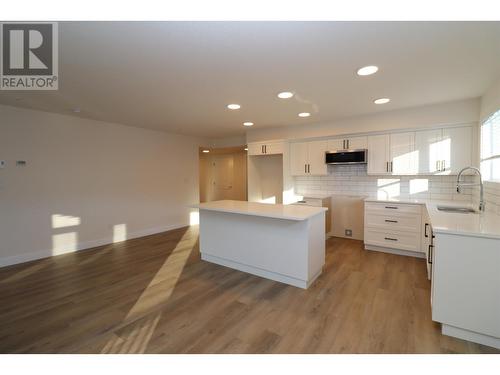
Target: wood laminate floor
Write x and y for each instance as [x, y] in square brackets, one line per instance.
[155, 295]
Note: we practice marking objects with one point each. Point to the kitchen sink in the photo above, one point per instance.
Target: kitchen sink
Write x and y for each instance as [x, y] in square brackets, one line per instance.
[455, 209]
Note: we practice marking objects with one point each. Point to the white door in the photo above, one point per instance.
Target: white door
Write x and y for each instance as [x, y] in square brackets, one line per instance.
[222, 177]
[255, 148]
[316, 153]
[427, 150]
[378, 154]
[357, 143]
[402, 158]
[335, 144]
[298, 158]
[456, 152]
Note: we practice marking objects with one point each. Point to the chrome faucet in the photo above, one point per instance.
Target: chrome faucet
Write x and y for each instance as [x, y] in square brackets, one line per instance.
[480, 184]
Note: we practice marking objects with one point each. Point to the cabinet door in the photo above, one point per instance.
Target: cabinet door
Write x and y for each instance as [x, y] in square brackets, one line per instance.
[378, 158]
[427, 150]
[456, 152]
[255, 148]
[273, 148]
[298, 158]
[402, 157]
[316, 152]
[335, 144]
[357, 143]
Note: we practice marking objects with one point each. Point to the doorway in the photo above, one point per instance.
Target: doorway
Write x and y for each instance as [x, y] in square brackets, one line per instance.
[223, 173]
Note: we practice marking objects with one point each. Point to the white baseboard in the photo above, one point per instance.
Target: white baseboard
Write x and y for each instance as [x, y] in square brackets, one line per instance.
[464, 334]
[84, 245]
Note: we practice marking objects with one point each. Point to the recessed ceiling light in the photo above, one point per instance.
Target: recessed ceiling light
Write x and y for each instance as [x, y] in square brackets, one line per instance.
[367, 70]
[304, 114]
[285, 95]
[206, 151]
[382, 101]
[233, 106]
[248, 123]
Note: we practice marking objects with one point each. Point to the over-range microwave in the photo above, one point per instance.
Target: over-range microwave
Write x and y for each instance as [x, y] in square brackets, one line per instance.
[347, 157]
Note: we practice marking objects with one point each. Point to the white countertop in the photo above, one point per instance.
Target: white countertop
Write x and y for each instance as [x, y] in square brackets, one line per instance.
[485, 224]
[276, 211]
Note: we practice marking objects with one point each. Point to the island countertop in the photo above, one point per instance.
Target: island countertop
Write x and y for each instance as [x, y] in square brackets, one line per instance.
[276, 211]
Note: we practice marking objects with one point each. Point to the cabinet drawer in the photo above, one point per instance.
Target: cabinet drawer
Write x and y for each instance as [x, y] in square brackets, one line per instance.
[393, 208]
[395, 240]
[401, 222]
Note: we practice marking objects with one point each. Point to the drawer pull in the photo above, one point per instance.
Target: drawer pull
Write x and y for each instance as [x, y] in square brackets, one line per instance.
[390, 221]
[390, 239]
[391, 207]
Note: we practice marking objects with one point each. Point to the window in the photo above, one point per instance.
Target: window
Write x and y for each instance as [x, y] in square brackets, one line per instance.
[490, 147]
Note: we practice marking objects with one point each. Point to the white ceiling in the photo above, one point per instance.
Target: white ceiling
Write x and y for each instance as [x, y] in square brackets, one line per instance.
[179, 76]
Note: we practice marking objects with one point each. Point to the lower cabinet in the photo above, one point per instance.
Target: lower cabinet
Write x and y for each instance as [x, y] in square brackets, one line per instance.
[394, 228]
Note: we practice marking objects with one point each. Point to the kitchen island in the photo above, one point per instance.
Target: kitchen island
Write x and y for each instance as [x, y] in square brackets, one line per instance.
[285, 243]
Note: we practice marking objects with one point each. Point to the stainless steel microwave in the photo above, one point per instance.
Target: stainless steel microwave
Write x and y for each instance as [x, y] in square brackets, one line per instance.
[346, 157]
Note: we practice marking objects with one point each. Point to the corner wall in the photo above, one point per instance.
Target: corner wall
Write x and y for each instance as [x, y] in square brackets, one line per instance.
[87, 183]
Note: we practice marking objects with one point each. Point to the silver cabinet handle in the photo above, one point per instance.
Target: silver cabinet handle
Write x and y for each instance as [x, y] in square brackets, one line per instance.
[262, 149]
[343, 144]
[429, 254]
[425, 230]
[391, 207]
[347, 144]
[390, 239]
[305, 168]
[391, 167]
[390, 221]
[387, 166]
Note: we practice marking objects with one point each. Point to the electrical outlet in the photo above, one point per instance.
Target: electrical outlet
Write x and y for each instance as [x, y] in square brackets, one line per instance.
[2, 163]
[348, 232]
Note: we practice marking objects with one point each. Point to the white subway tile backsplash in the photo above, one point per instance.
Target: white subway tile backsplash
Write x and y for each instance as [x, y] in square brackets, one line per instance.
[354, 180]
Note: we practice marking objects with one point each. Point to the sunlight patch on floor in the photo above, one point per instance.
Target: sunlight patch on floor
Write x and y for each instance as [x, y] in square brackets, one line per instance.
[156, 293]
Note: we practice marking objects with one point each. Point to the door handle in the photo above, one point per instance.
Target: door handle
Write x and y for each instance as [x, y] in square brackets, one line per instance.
[429, 254]
[343, 144]
[262, 149]
[305, 168]
[265, 149]
[391, 167]
[308, 168]
[387, 166]
[425, 230]
[347, 144]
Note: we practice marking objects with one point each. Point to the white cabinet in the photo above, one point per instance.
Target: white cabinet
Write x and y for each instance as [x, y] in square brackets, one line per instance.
[378, 154]
[443, 151]
[351, 143]
[457, 152]
[392, 154]
[265, 148]
[308, 158]
[427, 143]
[393, 228]
[401, 155]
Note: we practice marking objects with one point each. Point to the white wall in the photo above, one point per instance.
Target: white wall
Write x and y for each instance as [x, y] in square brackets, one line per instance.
[106, 181]
[451, 113]
[490, 101]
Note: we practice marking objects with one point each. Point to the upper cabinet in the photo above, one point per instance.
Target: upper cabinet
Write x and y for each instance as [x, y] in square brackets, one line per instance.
[401, 154]
[443, 151]
[308, 158]
[378, 154]
[265, 148]
[351, 143]
[391, 154]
